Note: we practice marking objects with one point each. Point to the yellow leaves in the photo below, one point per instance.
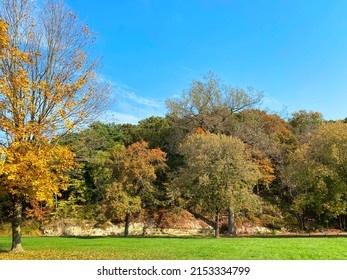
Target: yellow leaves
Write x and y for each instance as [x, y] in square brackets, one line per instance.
[18, 56]
[69, 124]
[264, 166]
[81, 81]
[84, 98]
[4, 40]
[36, 170]
[62, 113]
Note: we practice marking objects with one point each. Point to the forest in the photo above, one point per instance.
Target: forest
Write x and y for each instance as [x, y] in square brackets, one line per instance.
[215, 153]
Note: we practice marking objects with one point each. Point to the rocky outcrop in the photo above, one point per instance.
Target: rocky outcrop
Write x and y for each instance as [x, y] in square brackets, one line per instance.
[163, 224]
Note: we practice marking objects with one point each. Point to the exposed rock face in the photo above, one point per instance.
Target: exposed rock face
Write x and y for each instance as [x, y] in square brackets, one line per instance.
[67, 229]
[164, 224]
[258, 230]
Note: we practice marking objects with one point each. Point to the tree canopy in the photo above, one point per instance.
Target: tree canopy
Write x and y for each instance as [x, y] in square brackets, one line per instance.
[217, 169]
[47, 88]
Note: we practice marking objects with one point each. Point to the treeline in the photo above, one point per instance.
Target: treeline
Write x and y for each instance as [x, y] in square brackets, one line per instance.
[214, 155]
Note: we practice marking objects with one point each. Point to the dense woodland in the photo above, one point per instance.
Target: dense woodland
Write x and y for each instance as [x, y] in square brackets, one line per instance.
[214, 154]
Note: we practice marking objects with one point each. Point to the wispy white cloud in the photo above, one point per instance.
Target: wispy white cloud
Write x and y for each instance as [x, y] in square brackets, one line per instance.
[111, 116]
[130, 107]
[143, 101]
[271, 103]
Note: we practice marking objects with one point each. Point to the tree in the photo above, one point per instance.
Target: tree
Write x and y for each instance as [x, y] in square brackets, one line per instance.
[134, 172]
[217, 169]
[47, 88]
[154, 130]
[35, 172]
[208, 104]
[304, 122]
[317, 173]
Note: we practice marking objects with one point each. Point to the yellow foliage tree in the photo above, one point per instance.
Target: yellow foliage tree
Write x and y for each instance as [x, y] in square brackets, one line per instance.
[46, 89]
[31, 166]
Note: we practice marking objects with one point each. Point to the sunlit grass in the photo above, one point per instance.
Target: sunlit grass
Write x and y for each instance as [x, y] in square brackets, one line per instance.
[103, 248]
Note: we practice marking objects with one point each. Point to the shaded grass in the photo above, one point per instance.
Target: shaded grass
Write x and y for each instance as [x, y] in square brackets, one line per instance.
[113, 248]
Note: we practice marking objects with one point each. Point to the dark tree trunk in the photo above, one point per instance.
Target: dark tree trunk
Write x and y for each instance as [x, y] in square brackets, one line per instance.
[127, 222]
[16, 225]
[303, 220]
[231, 223]
[216, 230]
[343, 222]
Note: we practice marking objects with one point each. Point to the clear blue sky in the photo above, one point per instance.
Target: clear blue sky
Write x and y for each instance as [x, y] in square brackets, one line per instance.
[294, 50]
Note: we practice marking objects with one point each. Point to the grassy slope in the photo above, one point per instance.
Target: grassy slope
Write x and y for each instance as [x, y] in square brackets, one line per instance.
[178, 248]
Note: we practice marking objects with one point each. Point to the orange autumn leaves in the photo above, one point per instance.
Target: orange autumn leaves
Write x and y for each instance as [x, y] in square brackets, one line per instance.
[134, 171]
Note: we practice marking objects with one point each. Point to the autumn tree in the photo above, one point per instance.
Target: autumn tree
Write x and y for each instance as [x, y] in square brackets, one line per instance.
[47, 87]
[134, 172]
[208, 103]
[304, 122]
[217, 170]
[316, 174]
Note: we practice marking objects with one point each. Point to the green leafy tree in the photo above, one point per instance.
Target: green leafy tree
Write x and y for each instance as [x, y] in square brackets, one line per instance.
[317, 173]
[217, 169]
[304, 122]
[154, 130]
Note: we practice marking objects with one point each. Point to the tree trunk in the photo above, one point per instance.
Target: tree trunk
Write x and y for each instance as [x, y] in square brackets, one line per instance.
[231, 223]
[303, 220]
[343, 222]
[127, 222]
[216, 230]
[16, 225]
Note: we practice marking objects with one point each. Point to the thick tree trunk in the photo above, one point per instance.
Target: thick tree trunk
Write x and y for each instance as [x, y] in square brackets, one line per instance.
[216, 230]
[16, 225]
[231, 223]
[127, 222]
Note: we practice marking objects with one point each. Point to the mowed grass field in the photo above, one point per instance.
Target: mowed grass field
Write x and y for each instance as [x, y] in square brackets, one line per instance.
[117, 248]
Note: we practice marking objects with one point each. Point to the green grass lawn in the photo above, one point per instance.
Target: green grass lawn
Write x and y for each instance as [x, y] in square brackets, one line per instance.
[252, 248]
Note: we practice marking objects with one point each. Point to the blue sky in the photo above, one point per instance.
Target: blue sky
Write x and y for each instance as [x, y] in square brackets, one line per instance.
[294, 50]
